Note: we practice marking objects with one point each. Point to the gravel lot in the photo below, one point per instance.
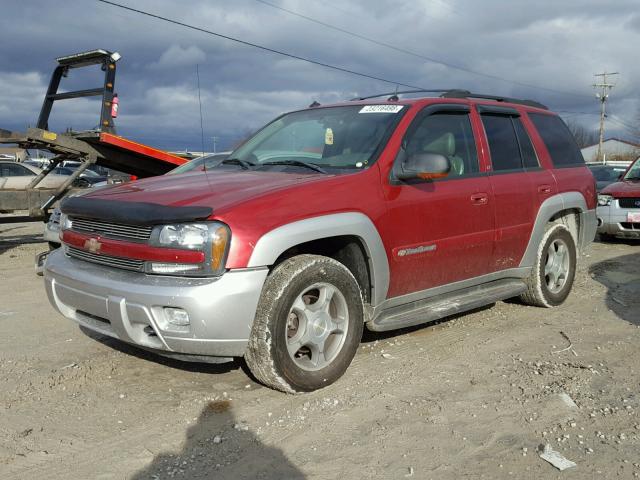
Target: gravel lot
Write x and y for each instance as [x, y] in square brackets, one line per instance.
[472, 397]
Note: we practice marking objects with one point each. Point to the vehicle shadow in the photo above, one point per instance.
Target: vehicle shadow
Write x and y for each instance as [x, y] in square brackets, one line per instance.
[616, 241]
[176, 364]
[621, 276]
[220, 447]
[14, 239]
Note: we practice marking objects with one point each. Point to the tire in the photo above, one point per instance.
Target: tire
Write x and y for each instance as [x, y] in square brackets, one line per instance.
[309, 304]
[552, 276]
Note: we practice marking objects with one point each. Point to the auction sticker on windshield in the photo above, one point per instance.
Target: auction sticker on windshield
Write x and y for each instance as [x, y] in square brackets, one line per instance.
[381, 109]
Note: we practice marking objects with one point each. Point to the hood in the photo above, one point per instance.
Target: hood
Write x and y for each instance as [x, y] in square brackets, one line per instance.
[216, 190]
[623, 189]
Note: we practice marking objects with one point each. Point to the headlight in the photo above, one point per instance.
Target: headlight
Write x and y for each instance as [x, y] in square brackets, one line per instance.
[184, 236]
[212, 238]
[65, 222]
[604, 200]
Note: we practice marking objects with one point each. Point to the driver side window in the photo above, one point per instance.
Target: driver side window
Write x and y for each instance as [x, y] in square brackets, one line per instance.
[449, 134]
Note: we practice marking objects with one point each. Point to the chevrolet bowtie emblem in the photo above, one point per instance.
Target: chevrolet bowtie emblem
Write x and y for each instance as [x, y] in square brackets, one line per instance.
[93, 245]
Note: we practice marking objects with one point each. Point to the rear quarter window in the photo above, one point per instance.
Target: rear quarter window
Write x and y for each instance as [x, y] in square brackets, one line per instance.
[559, 141]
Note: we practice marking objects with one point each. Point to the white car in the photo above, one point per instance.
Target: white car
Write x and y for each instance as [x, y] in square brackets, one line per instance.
[18, 176]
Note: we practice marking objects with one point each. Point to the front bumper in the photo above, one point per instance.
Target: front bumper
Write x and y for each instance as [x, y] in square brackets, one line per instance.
[130, 306]
[612, 220]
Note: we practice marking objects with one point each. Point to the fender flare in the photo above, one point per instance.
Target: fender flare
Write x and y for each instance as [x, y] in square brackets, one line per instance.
[272, 244]
[551, 206]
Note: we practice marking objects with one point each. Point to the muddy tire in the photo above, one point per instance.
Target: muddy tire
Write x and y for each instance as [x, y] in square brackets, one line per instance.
[552, 276]
[308, 325]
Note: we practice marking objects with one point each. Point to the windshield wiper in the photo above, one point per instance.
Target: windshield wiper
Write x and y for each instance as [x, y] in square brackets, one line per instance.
[236, 161]
[297, 163]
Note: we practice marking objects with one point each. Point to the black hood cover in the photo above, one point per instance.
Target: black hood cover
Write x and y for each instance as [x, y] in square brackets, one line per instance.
[134, 213]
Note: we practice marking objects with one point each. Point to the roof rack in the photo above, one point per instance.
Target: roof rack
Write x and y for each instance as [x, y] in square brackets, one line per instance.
[468, 94]
[456, 93]
[401, 92]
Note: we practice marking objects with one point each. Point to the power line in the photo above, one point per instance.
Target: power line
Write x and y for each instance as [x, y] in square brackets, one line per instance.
[629, 129]
[621, 121]
[412, 53]
[255, 45]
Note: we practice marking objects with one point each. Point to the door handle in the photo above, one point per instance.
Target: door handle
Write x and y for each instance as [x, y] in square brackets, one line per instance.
[479, 198]
[544, 188]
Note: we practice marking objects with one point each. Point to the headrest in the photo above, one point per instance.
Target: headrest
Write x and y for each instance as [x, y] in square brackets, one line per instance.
[444, 144]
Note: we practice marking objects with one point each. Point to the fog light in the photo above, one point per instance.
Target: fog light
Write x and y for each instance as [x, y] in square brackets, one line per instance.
[176, 316]
[170, 268]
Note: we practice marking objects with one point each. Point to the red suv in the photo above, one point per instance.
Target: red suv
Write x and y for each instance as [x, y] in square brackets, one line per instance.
[378, 212]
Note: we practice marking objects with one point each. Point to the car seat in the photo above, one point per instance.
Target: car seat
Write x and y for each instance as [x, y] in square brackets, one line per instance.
[445, 145]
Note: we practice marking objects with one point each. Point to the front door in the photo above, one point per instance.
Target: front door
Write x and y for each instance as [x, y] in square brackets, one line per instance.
[439, 231]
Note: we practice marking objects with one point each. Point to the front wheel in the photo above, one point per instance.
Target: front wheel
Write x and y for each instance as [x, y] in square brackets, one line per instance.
[552, 276]
[308, 325]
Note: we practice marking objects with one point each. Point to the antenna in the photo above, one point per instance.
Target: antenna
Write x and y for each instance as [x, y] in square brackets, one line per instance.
[200, 104]
[394, 97]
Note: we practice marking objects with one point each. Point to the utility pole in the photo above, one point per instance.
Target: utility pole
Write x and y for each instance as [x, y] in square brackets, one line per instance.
[603, 95]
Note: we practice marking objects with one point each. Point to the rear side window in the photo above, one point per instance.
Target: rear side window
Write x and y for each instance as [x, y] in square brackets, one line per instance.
[561, 145]
[503, 143]
[15, 170]
[529, 157]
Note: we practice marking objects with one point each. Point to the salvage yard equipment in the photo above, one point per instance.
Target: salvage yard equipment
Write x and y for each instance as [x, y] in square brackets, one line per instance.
[100, 146]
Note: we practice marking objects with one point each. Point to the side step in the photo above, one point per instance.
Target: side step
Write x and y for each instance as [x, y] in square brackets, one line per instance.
[440, 306]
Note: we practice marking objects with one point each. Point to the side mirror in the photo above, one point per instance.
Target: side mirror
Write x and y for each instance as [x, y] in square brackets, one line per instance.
[424, 166]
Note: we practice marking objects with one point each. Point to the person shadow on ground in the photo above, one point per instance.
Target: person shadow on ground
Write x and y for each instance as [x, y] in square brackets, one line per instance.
[220, 447]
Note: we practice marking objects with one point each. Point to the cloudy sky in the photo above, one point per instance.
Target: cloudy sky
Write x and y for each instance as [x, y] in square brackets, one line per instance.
[546, 50]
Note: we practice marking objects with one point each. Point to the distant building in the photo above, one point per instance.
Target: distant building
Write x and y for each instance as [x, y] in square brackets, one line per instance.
[615, 150]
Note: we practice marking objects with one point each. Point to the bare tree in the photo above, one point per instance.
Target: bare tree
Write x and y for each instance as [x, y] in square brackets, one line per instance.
[584, 137]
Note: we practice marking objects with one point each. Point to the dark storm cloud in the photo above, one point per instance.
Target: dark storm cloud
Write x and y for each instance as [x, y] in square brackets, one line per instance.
[558, 45]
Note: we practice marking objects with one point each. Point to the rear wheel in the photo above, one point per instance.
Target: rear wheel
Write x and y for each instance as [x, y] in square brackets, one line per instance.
[552, 276]
[308, 325]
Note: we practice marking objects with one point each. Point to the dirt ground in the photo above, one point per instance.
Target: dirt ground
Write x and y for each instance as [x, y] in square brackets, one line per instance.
[471, 397]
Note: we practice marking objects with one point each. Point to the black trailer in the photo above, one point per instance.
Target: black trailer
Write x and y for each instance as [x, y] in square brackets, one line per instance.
[100, 146]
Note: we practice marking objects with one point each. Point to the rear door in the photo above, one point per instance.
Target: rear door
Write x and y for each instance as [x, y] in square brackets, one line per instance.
[440, 231]
[518, 183]
[563, 155]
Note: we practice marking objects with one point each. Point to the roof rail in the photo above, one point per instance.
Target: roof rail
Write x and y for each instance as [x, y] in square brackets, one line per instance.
[401, 92]
[455, 93]
[468, 94]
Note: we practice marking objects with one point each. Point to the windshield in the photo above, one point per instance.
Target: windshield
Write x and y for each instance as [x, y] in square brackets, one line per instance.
[199, 163]
[634, 171]
[607, 174]
[333, 137]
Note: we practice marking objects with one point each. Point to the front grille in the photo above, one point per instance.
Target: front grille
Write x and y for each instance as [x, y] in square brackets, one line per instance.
[630, 226]
[629, 202]
[120, 231]
[107, 260]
